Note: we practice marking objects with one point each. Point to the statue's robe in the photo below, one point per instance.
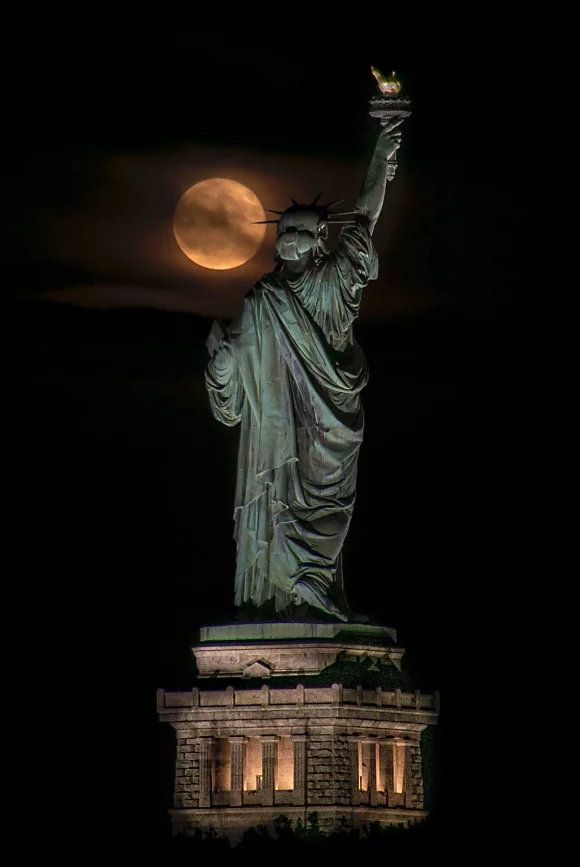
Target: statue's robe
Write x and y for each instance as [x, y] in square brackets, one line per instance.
[291, 373]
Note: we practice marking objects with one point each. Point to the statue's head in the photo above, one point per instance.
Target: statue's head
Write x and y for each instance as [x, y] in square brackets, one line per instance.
[300, 229]
[303, 228]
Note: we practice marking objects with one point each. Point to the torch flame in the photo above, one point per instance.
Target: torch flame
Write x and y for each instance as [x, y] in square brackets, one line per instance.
[387, 84]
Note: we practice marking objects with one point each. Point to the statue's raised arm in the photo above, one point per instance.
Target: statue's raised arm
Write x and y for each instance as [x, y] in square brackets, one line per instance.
[382, 169]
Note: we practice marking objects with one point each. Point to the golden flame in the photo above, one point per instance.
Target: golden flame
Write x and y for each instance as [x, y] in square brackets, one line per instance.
[387, 83]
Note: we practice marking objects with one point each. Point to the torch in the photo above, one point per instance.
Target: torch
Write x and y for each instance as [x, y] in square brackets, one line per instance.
[388, 104]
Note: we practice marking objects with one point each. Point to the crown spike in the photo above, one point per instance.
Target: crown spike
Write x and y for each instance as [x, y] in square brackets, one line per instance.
[294, 202]
[332, 204]
[270, 211]
[263, 222]
[315, 200]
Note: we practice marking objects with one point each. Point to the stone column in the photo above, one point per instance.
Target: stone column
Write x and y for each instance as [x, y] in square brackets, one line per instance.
[353, 742]
[269, 750]
[373, 800]
[389, 773]
[237, 759]
[205, 751]
[299, 769]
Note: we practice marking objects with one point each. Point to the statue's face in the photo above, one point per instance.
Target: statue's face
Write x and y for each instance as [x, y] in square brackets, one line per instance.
[298, 233]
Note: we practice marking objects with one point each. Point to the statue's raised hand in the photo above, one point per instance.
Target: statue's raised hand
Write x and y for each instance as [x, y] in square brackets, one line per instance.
[390, 137]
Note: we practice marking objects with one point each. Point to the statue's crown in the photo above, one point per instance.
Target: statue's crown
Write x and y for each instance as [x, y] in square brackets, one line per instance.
[323, 212]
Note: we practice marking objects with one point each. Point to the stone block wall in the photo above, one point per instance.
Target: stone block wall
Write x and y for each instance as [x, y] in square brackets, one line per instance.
[415, 779]
[328, 769]
[341, 763]
[319, 776]
[186, 790]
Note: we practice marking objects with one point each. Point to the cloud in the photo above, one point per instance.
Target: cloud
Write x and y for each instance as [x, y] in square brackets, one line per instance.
[112, 295]
[115, 238]
[382, 299]
[120, 230]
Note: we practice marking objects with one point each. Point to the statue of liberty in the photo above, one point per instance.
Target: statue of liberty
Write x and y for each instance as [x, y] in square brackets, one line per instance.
[290, 373]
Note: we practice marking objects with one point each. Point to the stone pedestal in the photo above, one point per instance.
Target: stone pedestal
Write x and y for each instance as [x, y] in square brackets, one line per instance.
[274, 649]
[252, 751]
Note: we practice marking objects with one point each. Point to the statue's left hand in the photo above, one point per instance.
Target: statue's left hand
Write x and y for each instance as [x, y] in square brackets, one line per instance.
[216, 334]
[390, 137]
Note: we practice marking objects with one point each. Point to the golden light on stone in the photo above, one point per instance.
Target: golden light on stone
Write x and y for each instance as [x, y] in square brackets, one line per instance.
[398, 768]
[249, 751]
[364, 761]
[214, 224]
[380, 772]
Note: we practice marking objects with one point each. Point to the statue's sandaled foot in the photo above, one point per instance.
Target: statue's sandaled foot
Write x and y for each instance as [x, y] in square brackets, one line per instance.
[307, 590]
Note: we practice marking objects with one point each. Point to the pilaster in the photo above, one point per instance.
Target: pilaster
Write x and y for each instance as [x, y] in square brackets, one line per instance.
[353, 748]
[299, 768]
[389, 774]
[269, 749]
[237, 760]
[205, 753]
[373, 800]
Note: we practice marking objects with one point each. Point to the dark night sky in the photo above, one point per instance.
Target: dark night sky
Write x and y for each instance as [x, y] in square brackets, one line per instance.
[118, 483]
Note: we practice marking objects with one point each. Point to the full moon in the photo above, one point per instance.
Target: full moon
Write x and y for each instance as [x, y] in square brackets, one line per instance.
[214, 224]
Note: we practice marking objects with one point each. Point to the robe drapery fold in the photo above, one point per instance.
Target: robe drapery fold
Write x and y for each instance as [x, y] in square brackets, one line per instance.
[291, 374]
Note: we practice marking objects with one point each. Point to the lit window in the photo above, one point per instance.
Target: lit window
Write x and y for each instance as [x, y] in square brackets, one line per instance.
[285, 765]
[398, 768]
[364, 763]
[253, 766]
[381, 769]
